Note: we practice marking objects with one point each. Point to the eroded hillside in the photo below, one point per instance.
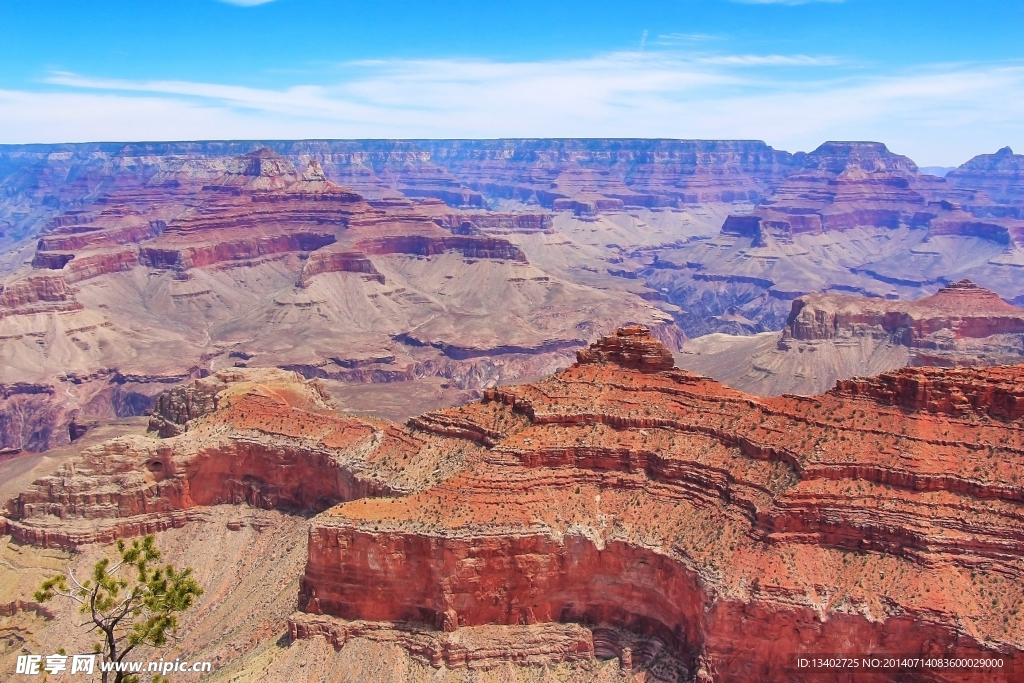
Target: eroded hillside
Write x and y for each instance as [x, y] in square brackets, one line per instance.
[618, 510]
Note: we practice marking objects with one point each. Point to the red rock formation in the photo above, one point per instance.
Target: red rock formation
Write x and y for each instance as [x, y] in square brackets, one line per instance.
[546, 521]
[91, 237]
[37, 294]
[265, 209]
[473, 648]
[842, 185]
[88, 266]
[267, 442]
[630, 347]
[736, 531]
[960, 311]
[339, 262]
[998, 393]
[254, 225]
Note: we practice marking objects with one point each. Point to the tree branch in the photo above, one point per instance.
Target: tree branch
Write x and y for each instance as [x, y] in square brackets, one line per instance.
[71, 575]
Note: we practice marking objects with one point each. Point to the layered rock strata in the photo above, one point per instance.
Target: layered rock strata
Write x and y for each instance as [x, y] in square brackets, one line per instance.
[831, 337]
[962, 324]
[736, 531]
[631, 347]
[206, 264]
[269, 440]
[615, 509]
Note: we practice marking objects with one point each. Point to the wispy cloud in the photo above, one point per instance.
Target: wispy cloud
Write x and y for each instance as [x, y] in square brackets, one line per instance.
[938, 115]
[783, 2]
[686, 39]
[247, 3]
[771, 60]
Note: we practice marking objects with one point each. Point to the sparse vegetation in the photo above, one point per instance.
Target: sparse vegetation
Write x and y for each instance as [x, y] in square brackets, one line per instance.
[130, 601]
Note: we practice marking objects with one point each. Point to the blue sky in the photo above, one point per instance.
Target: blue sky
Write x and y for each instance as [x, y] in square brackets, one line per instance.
[939, 80]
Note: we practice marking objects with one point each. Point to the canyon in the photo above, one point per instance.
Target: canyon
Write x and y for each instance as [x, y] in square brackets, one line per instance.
[129, 267]
[211, 265]
[132, 267]
[520, 410]
[620, 518]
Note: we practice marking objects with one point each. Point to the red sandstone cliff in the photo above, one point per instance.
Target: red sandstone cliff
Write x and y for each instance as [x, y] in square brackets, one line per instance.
[718, 525]
[615, 509]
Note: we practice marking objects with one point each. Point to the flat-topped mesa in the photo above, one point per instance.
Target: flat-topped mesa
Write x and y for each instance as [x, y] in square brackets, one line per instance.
[873, 157]
[630, 347]
[962, 309]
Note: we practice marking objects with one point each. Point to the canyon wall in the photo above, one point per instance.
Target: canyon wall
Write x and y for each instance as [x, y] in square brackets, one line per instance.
[615, 509]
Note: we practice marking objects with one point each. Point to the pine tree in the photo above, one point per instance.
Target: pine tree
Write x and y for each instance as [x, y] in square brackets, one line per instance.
[130, 600]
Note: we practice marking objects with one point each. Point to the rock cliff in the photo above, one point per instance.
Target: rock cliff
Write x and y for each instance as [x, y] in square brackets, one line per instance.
[830, 337]
[963, 310]
[688, 530]
[174, 259]
[733, 531]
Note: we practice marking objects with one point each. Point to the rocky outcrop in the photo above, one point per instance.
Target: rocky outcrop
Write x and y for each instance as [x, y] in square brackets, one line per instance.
[176, 407]
[963, 308]
[841, 186]
[339, 262]
[88, 266]
[997, 393]
[84, 237]
[611, 510]
[268, 440]
[961, 324]
[186, 257]
[37, 294]
[999, 175]
[422, 245]
[667, 505]
[472, 648]
[830, 337]
[495, 222]
[631, 347]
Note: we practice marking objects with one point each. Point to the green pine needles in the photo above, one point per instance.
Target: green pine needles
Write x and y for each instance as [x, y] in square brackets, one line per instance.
[131, 600]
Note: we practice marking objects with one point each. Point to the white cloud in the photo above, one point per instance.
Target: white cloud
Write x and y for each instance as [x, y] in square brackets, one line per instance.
[941, 115]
